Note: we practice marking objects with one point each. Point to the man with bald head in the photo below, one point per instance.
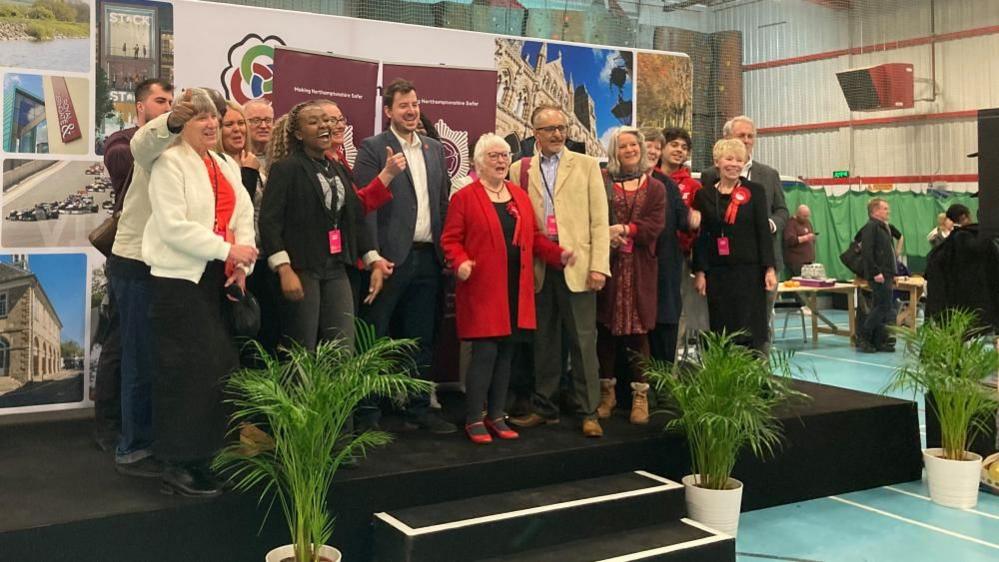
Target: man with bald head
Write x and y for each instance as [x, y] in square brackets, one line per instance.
[259, 123]
[799, 241]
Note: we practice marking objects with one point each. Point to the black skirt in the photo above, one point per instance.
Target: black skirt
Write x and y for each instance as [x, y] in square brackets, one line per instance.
[737, 300]
[193, 354]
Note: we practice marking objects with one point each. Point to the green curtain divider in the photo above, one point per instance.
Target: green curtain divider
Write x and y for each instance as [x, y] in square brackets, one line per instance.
[838, 218]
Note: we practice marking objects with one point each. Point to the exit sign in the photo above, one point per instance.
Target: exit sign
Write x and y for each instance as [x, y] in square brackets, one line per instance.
[841, 174]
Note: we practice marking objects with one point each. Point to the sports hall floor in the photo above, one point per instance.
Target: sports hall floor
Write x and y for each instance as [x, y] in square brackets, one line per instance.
[887, 524]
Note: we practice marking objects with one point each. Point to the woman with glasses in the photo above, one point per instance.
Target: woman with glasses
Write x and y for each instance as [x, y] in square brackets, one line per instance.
[490, 238]
[312, 227]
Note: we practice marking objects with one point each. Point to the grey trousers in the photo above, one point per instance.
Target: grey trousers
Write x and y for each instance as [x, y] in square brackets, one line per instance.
[557, 309]
[326, 312]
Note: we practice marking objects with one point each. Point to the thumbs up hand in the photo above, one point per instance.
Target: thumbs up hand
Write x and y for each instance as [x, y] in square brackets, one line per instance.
[395, 164]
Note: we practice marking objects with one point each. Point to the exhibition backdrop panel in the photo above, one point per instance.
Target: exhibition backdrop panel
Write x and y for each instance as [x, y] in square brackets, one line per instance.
[469, 82]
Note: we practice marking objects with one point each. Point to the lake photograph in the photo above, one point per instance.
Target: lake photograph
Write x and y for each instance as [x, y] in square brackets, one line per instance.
[45, 34]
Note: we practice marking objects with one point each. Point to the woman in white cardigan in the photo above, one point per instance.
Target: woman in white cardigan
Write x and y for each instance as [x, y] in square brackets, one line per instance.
[199, 242]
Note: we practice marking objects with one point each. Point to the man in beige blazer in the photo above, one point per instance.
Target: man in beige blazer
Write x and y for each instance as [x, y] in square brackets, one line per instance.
[570, 203]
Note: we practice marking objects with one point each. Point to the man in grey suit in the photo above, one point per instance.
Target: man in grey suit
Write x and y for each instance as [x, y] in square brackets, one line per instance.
[744, 129]
[406, 262]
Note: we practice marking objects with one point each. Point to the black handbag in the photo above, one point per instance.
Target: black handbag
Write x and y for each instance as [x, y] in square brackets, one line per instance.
[853, 259]
[243, 316]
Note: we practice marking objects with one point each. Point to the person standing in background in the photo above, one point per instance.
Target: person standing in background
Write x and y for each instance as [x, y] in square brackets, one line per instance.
[799, 241]
[878, 253]
[152, 99]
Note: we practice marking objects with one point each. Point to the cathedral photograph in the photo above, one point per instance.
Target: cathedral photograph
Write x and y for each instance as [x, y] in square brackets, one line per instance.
[593, 86]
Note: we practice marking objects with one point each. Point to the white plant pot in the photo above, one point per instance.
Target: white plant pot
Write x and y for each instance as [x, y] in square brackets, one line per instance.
[953, 483]
[282, 553]
[718, 509]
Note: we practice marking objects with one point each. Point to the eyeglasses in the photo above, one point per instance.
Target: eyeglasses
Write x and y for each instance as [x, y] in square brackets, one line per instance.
[338, 120]
[257, 121]
[552, 129]
[498, 155]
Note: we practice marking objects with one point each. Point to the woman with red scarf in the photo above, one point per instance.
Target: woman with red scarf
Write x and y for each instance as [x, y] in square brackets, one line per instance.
[733, 256]
[490, 238]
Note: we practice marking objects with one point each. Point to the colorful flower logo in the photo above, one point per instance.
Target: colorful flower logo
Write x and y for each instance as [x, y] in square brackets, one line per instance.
[250, 72]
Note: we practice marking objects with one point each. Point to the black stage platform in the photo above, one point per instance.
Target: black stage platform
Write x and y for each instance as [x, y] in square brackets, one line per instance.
[60, 498]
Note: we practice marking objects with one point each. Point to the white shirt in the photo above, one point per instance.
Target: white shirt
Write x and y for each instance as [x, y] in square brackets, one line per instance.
[747, 171]
[417, 167]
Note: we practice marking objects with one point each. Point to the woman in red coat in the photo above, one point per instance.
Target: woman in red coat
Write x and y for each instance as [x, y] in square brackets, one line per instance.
[626, 307]
[490, 239]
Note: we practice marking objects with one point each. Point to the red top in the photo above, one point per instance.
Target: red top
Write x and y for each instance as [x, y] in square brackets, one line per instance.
[688, 187]
[225, 198]
[472, 231]
[373, 195]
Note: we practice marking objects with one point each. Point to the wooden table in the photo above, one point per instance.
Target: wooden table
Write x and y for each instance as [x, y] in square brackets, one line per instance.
[810, 295]
[915, 286]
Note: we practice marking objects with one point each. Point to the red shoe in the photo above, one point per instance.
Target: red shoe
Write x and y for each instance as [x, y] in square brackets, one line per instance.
[499, 428]
[477, 433]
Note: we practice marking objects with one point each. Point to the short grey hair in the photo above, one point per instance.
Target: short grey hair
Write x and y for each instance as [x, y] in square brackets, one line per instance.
[259, 101]
[486, 142]
[613, 164]
[730, 124]
[204, 100]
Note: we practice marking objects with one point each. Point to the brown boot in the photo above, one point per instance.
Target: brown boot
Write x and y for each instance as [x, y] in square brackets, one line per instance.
[254, 440]
[591, 428]
[639, 403]
[608, 398]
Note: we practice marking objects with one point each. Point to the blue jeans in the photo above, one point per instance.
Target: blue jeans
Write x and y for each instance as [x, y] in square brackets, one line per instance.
[130, 285]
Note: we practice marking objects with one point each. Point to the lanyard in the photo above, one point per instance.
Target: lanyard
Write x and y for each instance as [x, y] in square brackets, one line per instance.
[214, 177]
[634, 199]
[544, 181]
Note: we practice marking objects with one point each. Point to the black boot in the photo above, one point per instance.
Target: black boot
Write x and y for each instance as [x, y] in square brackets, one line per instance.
[192, 480]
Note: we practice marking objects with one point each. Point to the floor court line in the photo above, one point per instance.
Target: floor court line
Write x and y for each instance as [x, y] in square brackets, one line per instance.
[774, 557]
[927, 498]
[868, 363]
[934, 528]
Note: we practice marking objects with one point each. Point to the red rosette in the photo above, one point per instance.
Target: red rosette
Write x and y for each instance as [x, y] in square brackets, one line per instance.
[740, 196]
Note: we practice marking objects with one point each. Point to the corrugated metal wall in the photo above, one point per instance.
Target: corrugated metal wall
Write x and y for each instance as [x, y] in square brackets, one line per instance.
[808, 92]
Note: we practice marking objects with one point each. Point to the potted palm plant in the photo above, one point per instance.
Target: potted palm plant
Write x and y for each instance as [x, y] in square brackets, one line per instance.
[950, 358]
[724, 401]
[305, 401]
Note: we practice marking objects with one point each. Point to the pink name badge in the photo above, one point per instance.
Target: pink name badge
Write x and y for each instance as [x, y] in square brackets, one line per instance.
[628, 247]
[550, 226]
[723, 248]
[336, 244]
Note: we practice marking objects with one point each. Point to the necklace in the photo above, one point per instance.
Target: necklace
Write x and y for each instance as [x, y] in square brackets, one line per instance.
[494, 193]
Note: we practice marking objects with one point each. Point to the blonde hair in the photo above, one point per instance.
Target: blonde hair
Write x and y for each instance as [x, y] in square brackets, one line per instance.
[238, 109]
[613, 164]
[729, 147]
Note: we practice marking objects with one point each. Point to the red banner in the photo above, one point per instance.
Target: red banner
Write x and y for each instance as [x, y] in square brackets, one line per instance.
[460, 103]
[69, 126]
[352, 83]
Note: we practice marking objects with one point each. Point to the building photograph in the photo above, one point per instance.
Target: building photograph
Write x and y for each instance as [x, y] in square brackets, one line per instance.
[46, 114]
[41, 328]
[592, 86]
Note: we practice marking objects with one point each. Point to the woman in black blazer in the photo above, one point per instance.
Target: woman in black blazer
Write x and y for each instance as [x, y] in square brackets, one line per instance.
[312, 229]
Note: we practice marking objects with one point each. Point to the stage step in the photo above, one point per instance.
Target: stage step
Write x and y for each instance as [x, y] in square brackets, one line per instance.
[679, 541]
[539, 520]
